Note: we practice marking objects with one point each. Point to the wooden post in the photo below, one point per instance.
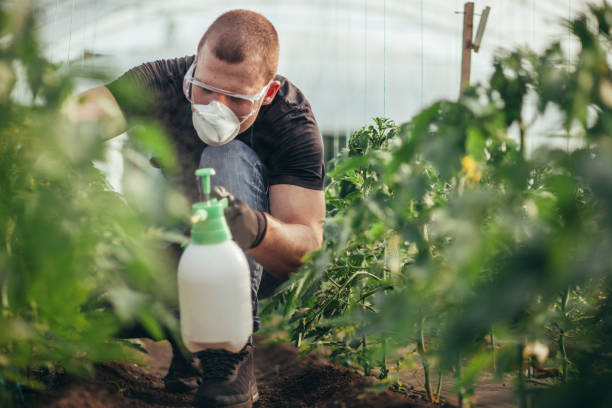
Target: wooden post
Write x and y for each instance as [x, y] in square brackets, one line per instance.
[466, 58]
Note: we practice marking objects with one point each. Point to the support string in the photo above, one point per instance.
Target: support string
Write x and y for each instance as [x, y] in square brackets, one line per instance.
[569, 59]
[55, 36]
[85, 25]
[365, 59]
[93, 45]
[385, 58]
[422, 55]
[70, 33]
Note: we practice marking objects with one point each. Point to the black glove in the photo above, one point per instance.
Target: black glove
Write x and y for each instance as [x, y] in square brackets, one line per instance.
[247, 225]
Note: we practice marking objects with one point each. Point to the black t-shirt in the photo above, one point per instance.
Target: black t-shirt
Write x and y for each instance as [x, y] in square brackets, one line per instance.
[285, 134]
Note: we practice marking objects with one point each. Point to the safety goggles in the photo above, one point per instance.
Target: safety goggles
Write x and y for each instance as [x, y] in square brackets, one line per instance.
[243, 105]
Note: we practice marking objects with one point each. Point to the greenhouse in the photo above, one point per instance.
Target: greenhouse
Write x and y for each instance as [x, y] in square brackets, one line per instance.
[327, 203]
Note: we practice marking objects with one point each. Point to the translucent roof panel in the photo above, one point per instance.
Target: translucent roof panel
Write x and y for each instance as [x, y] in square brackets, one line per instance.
[354, 59]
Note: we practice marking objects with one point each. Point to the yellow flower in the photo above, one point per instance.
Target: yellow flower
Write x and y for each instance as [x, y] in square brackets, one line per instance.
[605, 92]
[471, 168]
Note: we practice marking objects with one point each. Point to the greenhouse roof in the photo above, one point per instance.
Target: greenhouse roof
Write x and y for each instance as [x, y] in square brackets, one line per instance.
[354, 59]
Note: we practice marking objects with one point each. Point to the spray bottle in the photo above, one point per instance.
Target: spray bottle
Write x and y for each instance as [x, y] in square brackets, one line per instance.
[213, 280]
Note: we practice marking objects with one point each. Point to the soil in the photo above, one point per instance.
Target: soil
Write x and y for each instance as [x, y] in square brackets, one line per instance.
[283, 379]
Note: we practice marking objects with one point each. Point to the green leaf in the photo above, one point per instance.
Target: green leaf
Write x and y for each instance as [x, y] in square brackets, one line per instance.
[475, 144]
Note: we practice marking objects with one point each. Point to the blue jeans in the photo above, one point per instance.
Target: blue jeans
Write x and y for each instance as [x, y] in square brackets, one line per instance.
[240, 171]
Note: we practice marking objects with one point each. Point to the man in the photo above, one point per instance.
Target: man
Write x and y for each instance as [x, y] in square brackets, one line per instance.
[227, 109]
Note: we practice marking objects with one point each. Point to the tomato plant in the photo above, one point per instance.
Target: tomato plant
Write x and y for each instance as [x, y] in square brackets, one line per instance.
[77, 261]
[447, 236]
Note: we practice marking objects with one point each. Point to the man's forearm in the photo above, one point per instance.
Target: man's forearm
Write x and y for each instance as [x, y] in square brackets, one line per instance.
[284, 246]
[96, 105]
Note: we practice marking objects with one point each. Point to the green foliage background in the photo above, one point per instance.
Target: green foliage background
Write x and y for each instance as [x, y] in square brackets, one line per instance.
[444, 235]
[77, 261]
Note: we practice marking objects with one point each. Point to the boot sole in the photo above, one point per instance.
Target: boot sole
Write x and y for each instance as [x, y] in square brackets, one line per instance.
[178, 386]
[246, 404]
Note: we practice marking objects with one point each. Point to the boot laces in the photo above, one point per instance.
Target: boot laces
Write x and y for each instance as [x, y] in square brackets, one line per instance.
[220, 363]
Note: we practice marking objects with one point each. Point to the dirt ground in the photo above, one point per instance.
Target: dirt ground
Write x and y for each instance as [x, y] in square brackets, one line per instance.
[282, 378]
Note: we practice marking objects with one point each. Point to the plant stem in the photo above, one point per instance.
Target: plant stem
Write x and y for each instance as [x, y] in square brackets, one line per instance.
[521, 380]
[563, 355]
[493, 349]
[346, 354]
[458, 381]
[298, 343]
[421, 350]
[366, 363]
[522, 140]
[365, 360]
[439, 387]
[383, 364]
[562, 337]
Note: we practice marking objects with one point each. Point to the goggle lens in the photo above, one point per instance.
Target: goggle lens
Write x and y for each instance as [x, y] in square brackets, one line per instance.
[241, 104]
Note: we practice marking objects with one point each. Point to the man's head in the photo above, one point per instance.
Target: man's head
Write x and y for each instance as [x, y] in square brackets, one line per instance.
[242, 35]
[238, 53]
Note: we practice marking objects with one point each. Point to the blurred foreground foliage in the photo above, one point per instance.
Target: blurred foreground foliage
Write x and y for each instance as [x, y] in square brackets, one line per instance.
[77, 261]
[449, 243]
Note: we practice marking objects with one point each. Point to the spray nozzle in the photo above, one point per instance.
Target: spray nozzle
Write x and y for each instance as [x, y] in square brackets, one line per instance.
[205, 174]
[199, 214]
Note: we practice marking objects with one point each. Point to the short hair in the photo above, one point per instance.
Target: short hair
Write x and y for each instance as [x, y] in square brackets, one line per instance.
[239, 34]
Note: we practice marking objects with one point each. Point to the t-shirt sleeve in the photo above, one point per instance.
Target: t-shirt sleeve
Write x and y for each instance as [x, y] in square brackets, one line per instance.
[302, 154]
[144, 90]
[299, 148]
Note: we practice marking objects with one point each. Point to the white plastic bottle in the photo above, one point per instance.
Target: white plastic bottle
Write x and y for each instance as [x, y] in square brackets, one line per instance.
[213, 281]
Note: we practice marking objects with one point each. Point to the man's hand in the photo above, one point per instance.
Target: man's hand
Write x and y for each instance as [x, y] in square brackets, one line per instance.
[247, 225]
[278, 240]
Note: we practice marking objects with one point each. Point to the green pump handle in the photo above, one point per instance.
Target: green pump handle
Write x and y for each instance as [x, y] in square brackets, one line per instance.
[205, 174]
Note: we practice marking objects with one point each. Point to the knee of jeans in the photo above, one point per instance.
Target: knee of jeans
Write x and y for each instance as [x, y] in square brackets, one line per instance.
[239, 170]
[241, 156]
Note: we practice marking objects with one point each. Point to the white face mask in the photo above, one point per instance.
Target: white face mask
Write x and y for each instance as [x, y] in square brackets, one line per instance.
[215, 123]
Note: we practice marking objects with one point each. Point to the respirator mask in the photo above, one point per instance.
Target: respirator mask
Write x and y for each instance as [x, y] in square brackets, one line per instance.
[216, 123]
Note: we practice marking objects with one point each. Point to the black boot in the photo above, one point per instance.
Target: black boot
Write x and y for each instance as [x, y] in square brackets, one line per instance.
[182, 375]
[228, 379]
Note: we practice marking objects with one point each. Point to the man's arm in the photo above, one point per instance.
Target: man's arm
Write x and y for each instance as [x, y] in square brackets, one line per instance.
[96, 105]
[295, 228]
